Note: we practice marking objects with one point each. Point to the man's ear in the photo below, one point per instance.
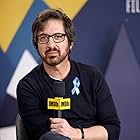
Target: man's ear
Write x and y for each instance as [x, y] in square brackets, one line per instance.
[71, 45]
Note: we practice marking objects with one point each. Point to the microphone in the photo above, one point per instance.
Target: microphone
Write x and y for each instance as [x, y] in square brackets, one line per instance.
[58, 102]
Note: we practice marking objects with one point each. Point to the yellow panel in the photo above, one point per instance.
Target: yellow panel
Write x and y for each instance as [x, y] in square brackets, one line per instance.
[12, 13]
[71, 7]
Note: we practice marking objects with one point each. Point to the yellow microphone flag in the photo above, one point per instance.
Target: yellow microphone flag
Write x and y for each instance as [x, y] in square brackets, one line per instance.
[59, 103]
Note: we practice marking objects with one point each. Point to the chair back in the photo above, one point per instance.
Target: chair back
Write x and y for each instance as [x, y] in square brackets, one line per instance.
[21, 133]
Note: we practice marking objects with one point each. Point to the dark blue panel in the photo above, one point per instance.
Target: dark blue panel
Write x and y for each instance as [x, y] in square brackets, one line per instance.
[8, 112]
[6, 70]
[97, 27]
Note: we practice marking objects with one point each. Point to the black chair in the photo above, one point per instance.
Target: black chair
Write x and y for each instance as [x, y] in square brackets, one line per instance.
[21, 133]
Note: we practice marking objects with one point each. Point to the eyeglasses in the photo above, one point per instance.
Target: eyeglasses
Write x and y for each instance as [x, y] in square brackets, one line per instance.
[57, 38]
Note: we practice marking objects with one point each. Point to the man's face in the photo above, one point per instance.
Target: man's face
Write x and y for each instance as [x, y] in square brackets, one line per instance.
[53, 52]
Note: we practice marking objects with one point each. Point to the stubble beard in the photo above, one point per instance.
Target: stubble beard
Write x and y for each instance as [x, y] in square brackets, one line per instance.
[55, 60]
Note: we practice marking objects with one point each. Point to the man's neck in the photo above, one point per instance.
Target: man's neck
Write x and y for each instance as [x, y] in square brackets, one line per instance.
[58, 72]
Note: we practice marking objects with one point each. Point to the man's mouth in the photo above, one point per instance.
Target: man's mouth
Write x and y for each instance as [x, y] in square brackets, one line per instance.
[52, 53]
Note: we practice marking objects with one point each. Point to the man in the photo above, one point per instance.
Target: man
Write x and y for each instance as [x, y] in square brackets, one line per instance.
[92, 115]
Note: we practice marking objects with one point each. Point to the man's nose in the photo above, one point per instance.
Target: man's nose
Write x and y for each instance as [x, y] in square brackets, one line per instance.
[51, 43]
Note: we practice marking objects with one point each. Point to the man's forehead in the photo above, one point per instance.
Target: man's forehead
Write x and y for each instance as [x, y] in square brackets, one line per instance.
[52, 26]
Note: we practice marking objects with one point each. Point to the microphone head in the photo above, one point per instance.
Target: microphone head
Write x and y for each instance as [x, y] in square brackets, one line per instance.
[59, 88]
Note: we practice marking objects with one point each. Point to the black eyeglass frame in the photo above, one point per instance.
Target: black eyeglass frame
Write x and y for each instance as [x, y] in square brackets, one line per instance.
[53, 37]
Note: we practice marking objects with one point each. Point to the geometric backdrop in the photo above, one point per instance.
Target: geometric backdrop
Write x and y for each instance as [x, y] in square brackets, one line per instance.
[107, 36]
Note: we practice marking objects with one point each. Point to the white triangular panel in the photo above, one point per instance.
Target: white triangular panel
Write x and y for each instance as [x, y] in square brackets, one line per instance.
[8, 133]
[25, 65]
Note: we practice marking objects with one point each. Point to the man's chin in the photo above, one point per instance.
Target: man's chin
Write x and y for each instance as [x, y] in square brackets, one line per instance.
[52, 63]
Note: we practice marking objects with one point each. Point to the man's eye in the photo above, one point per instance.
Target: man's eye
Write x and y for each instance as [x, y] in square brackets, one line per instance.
[43, 38]
[58, 36]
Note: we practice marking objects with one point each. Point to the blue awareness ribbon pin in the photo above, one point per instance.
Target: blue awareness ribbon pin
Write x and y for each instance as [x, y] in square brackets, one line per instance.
[76, 84]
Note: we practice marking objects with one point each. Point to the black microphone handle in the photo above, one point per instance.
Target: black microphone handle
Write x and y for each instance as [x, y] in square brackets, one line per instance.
[59, 114]
[59, 91]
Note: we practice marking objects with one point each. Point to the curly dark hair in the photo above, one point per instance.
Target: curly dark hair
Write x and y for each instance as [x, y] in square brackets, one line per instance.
[44, 16]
